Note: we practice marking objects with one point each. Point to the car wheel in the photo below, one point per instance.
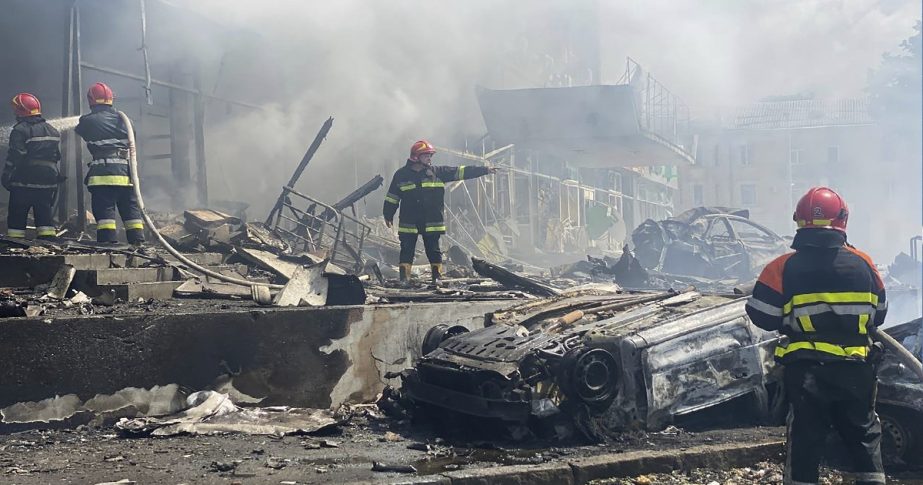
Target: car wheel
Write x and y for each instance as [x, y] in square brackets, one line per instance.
[902, 435]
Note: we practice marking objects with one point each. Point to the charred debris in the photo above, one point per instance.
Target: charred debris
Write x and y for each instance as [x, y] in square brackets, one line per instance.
[636, 340]
[594, 363]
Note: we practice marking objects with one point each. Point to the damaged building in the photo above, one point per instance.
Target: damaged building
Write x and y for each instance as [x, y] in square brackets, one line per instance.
[593, 292]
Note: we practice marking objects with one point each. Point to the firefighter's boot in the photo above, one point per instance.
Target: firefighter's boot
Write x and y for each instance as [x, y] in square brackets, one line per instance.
[436, 270]
[405, 270]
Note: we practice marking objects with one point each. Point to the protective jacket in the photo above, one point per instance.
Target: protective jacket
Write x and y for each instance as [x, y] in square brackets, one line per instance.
[421, 196]
[824, 297]
[33, 156]
[107, 141]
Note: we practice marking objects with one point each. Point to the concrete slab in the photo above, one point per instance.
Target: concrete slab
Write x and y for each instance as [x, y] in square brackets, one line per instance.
[117, 276]
[32, 270]
[305, 356]
[199, 289]
[269, 261]
[159, 290]
[203, 259]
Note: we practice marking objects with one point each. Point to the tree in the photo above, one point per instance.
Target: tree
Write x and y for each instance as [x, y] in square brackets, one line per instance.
[895, 88]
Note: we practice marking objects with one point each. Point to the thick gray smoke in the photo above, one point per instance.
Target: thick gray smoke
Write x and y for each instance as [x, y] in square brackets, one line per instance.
[392, 72]
[727, 53]
[389, 72]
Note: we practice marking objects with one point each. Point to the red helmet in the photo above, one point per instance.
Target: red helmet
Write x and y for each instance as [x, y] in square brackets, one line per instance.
[821, 208]
[419, 148]
[25, 104]
[99, 93]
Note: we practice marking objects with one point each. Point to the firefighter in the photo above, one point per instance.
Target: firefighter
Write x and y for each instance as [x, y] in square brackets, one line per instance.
[419, 189]
[31, 171]
[108, 177]
[825, 297]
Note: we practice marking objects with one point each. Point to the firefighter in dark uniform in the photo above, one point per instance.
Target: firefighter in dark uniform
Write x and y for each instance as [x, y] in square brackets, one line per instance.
[825, 297]
[31, 171]
[108, 177]
[419, 189]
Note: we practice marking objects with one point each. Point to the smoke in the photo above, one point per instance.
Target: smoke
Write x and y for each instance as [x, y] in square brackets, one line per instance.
[725, 53]
[389, 72]
[393, 72]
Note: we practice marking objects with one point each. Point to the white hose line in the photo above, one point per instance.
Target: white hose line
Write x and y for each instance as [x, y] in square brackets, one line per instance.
[136, 183]
[903, 355]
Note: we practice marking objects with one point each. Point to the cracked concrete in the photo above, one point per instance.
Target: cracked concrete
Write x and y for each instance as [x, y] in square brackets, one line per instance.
[310, 357]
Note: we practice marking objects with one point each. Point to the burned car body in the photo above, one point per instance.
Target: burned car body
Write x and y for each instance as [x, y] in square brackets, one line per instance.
[613, 362]
[900, 398]
[712, 243]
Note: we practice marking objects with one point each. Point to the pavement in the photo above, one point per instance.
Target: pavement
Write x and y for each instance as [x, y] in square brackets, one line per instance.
[96, 455]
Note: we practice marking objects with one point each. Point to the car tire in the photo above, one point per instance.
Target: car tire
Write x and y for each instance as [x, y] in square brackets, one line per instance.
[902, 435]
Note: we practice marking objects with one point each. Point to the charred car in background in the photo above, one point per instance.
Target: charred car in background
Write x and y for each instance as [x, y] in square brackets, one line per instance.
[599, 364]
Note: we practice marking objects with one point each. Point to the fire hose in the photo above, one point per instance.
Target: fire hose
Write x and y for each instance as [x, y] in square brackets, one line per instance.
[903, 355]
[136, 183]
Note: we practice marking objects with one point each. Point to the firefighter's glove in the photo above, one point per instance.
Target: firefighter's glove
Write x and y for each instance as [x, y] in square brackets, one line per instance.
[5, 181]
[876, 353]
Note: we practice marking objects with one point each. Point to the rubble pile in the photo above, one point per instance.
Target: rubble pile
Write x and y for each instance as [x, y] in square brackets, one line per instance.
[64, 276]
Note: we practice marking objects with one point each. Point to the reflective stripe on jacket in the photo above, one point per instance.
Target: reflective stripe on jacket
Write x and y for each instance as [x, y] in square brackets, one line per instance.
[823, 298]
[421, 196]
[107, 140]
[34, 153]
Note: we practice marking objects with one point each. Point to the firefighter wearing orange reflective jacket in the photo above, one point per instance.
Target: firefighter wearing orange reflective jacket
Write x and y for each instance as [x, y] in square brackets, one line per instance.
[824, 297]
[31, 171]
[108, 178]
[418, 188]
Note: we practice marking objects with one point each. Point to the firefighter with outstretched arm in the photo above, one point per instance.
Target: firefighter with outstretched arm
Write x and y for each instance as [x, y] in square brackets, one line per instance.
[31, 171]
[825, 297]
[418, 188]
[108, 179]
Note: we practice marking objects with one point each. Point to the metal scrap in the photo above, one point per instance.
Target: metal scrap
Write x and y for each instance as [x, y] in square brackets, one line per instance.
[512, 280]
[306, 287]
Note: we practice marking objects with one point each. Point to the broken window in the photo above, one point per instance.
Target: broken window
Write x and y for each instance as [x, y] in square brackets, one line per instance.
[794, 156]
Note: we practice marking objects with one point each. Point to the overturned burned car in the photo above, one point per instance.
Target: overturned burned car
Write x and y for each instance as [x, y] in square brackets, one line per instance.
[707, 242]
[603, 362]
[600, 363]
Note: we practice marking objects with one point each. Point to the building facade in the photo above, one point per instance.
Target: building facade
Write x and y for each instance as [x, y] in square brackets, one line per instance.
[765, 156]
